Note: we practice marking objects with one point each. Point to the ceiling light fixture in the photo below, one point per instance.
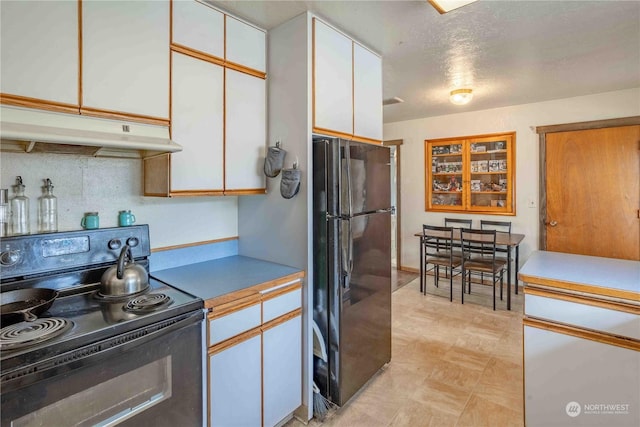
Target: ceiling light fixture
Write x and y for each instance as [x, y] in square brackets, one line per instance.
[460, 96]
[444, 6]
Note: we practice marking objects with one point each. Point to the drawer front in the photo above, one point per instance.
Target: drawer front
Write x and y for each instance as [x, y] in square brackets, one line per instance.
[234, 323]
[583, 315]
[283, 304]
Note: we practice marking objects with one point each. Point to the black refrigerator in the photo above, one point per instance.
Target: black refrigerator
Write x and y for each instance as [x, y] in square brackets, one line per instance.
[352, 264]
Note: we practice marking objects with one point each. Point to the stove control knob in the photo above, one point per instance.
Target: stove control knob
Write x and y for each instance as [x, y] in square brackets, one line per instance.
[115, 244]
[133, 241]
[10, 257]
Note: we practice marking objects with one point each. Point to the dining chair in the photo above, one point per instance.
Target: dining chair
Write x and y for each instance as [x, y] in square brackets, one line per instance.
[500, 227]
[457, 223]
[479, 255]
[438, 250]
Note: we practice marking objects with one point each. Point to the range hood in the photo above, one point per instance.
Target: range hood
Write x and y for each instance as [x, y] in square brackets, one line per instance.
[26, 130]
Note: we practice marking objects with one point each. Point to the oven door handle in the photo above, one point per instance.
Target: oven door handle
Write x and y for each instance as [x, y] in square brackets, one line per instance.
[60, 364]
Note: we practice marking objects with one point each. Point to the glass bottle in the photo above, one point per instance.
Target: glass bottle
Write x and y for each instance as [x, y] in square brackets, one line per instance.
[47, 209]
[19, 209]
[5, 213]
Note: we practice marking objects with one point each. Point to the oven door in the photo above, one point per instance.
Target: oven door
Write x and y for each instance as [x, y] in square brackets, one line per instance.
[151, 376]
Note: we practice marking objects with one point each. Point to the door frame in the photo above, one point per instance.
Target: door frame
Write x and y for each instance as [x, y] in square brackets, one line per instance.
[542, 132]
[397, 143]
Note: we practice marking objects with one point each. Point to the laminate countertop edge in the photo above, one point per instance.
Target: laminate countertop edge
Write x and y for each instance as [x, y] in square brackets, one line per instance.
[222, 280]
[606, 277]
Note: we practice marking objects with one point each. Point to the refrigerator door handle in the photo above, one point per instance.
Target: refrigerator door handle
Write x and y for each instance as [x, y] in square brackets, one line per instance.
[350, 252]
[347, 249]
[347, 155]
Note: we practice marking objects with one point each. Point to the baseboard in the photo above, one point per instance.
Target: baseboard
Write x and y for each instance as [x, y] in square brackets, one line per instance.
[409, 269]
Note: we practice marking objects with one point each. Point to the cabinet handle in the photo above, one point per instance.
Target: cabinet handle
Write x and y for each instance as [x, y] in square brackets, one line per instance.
[552, 223]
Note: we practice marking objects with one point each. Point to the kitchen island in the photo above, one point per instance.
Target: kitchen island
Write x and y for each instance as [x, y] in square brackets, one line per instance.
[254, 337]
[581, 340]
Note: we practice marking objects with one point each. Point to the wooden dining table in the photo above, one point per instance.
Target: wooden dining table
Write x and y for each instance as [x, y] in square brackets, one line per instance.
[505, 242]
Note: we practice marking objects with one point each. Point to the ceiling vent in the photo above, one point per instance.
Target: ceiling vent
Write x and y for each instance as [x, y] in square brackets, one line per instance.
[391, 101]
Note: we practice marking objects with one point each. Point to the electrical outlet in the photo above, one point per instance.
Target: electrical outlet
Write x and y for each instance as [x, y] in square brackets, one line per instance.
[531, 202]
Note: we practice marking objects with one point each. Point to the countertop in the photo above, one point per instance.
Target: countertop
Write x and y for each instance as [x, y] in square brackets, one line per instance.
[608, 277]
[222, 280]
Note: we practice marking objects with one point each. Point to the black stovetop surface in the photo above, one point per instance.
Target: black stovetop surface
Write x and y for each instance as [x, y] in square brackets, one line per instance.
[94, 319]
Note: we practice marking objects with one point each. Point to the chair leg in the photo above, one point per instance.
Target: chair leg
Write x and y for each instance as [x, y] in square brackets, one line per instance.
[424, 289]
[501, 283]
[493, 285]
[451, 286]
[463, 284]
[436, 274]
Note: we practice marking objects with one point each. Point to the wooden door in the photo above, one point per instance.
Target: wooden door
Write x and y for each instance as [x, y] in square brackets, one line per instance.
[593, 192]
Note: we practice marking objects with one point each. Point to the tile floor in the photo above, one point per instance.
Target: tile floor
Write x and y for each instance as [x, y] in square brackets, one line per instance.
[452, 365]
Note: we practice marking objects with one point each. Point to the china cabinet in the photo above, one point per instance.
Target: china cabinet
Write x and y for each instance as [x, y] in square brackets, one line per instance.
[471, 174]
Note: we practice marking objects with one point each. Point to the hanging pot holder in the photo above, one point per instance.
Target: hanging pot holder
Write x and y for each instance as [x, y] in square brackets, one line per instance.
[274, 161]
[290, 182]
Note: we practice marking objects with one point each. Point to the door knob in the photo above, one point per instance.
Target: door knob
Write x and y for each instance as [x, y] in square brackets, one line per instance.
[552, 223]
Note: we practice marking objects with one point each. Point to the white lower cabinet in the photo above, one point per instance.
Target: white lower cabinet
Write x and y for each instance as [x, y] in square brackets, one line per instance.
[282, 370]
[255, 359]
[235, 385]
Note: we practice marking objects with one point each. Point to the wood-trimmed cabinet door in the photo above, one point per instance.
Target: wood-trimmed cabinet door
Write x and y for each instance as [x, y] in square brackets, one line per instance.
[245, 133]
[199, 27]
[367, 93]
[282, 370]
[197, 110]
[125, 57]
[235, 385]
[332, 80]
[47, 71]
[246, 45]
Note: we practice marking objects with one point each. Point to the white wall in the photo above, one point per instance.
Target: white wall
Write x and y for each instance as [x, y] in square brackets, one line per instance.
[518, 118]
[271, 227]
[105, 185]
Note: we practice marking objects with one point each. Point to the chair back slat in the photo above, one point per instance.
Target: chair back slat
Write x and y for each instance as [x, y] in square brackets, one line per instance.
[437, 238]
[457, 223]
[501, 226]
[477, 242]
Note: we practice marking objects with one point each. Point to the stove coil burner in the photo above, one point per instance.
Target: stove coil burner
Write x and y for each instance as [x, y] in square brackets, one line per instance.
[25, 334]
[147, 303]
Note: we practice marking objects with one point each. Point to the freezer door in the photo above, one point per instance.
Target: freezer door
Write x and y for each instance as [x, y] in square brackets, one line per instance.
[365, 178]
[364, 332]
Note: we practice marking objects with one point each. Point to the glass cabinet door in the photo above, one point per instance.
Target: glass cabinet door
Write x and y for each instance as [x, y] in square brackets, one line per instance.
[471, 174]
[489, 174]
[446, 183]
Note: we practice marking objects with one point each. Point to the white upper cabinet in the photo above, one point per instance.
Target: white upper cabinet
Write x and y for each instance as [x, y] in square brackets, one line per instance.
[333, 80]
[367, 93]
[246, 45]
[125, 54]
[199, 27]
[39, 50]
[197, 103]
[245, 141]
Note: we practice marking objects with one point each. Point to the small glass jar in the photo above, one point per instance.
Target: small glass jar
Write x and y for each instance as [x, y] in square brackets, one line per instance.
[48, 209]
[19, 209]
[5, 213]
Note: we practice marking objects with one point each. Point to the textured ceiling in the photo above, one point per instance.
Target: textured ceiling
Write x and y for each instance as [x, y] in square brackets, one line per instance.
[509, 52]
